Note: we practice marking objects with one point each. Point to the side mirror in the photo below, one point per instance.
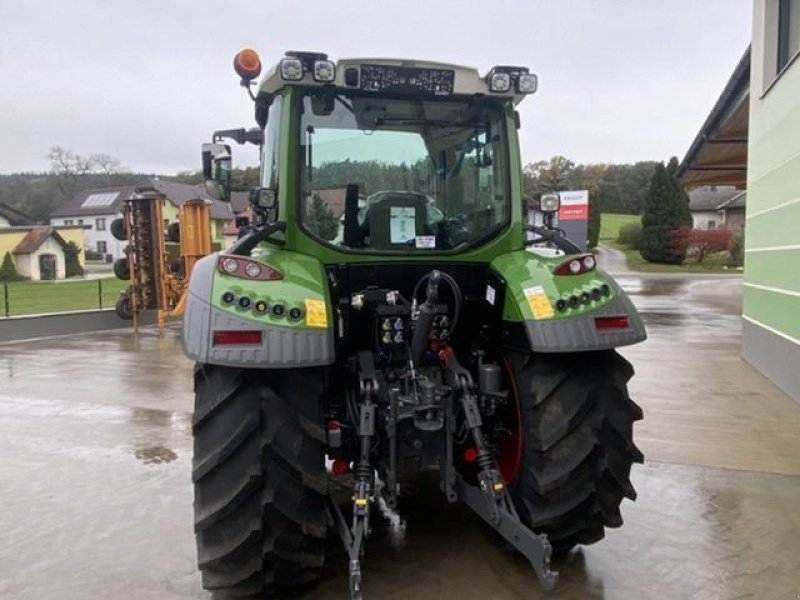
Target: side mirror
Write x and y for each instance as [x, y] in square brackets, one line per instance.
[550, 203]
[217, 167]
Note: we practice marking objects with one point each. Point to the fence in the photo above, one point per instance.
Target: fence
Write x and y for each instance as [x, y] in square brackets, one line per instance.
[34, 297]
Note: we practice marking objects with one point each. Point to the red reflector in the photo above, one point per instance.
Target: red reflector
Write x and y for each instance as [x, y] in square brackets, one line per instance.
[334, 426]
[340, 467]
[470, 455]
[237, 338]
[611, 322]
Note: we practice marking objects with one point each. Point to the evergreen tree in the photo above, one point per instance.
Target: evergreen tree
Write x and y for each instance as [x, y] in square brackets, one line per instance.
[320, 220]
[8, 272]
[666, 209]
[71, 263]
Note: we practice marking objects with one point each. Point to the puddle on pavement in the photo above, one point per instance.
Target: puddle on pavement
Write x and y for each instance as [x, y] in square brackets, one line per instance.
[155, 455]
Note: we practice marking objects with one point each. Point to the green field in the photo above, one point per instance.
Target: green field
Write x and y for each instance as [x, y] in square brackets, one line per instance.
[611, 222]
[35, 297]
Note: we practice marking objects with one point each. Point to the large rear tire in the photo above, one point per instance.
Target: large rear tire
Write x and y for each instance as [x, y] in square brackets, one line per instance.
[259, 478]
[577, 444]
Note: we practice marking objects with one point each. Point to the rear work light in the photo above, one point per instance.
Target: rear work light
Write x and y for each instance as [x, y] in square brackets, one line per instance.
[577, 265]
[607, 323]
[237, 338]
[244, 268]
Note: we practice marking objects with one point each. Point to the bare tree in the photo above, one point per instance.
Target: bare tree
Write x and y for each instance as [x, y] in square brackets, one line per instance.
[108, 165]
[64, 164]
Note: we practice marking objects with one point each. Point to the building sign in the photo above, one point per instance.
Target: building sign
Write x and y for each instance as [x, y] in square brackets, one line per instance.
[574, 206]
[573, 217]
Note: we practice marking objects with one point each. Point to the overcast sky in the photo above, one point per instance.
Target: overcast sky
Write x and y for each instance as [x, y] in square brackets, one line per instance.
[147, 81]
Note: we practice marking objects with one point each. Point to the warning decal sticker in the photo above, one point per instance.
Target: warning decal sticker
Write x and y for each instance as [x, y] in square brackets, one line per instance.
[316, 313]
[538, 302]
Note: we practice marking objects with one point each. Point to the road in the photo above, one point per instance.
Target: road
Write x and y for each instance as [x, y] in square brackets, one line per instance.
[95, 489]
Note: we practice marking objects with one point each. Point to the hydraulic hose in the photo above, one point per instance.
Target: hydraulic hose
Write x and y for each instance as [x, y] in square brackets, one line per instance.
[427, 310]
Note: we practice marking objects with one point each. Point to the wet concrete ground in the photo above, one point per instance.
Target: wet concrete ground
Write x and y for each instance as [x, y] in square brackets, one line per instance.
[95, 490]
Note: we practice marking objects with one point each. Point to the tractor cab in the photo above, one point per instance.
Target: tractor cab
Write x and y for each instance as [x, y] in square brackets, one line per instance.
[385, 156]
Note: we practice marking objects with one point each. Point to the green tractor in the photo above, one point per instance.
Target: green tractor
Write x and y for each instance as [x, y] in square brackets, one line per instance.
[388, 312]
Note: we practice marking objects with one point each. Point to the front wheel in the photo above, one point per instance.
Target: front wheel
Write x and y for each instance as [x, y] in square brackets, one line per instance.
[259, 478]
[576, 441]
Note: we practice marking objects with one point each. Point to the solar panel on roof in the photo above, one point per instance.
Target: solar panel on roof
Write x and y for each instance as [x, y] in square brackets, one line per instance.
[99, 200]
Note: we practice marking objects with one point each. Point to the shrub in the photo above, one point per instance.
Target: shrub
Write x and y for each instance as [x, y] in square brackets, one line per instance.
[700, 243]
[736, 257]
[72, 265]
[8, 272]
[630, 234]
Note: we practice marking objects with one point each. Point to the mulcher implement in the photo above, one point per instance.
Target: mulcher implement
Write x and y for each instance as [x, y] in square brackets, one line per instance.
[387, 312]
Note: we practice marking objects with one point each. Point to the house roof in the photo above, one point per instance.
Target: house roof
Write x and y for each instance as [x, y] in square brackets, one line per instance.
[15, 217]
[102, 201]
[718, 154]
[738, 201]
[109, 201]
[180, 193]
[35, 238]
[240, 201]
[706, 199]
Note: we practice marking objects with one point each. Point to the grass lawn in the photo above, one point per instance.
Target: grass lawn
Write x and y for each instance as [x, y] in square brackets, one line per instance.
[610, 224]
[37, 297]
[713, 263]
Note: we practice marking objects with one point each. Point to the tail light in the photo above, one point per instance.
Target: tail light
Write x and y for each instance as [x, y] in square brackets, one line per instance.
[244, 268]
[607, 323]
[577, 265]
[237, 338]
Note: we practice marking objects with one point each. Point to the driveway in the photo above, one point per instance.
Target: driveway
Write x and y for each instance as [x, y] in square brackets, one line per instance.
[95, 488]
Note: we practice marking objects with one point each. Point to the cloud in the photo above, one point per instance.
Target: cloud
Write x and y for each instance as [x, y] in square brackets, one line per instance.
[147, 82]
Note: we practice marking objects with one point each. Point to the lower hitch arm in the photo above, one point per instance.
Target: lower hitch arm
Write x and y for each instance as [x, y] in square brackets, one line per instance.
[490, 499]
[354, 536]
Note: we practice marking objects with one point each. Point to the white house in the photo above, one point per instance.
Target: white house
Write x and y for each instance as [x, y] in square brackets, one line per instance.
[94, 210]
[40, 255]
[704, 203]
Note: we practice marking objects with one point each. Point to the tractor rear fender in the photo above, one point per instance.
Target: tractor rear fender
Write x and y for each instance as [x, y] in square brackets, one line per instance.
[280, 317]
[566, 313]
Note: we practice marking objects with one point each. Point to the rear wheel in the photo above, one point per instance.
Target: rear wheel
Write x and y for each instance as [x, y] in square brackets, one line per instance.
[259, 478]
[576, 444]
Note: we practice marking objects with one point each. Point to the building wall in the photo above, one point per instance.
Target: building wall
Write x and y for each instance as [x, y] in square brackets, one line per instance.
[23, 264]
[75, 234]
[49, 246]
[771, 330]
[92, 235]
[702, 219]
[8, 241]
[733, 219]
[4, 222]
